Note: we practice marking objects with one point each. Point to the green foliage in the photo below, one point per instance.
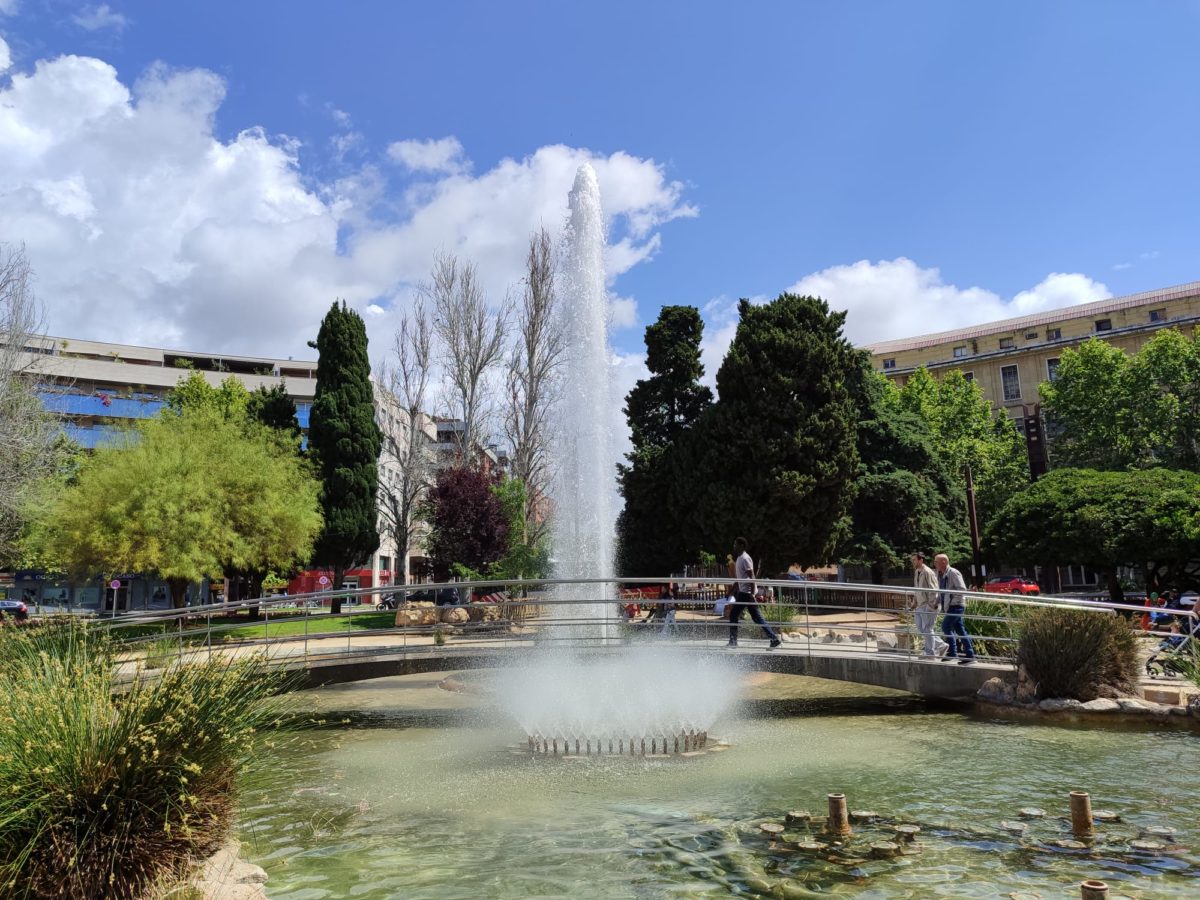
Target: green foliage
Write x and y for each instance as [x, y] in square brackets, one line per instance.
[908, 496]
[346, 442]
[1148, 519]
[521, 559]
[274, 408]
[966, 432]
[194, 394]
[185, 497]
[659, 409]
[774, 459]
[106, 792]
[1073, 653]
[1109, 410]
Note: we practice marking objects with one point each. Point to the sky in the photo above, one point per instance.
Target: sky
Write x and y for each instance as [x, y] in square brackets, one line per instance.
[211, 176]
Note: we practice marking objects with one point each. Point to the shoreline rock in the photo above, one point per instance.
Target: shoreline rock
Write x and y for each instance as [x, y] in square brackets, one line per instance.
[226, 876]
[999, 693]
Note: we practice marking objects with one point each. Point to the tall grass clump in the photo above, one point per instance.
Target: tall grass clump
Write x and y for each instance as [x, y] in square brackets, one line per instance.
[1074, 653]
[106, 788]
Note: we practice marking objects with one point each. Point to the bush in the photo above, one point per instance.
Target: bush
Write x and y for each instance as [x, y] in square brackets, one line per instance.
[1073, 653]
[106, 788]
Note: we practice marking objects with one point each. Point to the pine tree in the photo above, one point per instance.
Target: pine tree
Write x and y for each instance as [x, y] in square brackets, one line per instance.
[274, 408]
[659, 409]
[775, 458]
[346, 441]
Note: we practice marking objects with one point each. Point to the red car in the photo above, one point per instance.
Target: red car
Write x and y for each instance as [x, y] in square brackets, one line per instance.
[1011, 584]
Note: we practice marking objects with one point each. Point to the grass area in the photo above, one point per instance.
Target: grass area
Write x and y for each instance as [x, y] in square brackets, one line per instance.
[107, 791]
[320, 623]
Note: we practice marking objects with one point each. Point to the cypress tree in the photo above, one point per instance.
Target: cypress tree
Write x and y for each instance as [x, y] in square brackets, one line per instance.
[659, 409]
[274, 408]
[344, 438]
[774, 458]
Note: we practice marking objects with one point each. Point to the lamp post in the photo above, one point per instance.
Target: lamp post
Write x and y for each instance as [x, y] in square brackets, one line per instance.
[973, 519]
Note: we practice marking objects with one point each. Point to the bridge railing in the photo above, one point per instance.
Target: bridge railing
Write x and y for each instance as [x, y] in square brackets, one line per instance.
[810, 617]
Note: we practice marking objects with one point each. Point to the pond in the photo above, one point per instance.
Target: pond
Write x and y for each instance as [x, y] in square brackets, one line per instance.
[419, 794]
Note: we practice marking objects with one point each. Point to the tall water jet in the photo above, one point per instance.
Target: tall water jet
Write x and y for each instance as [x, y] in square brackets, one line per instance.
[584, 487]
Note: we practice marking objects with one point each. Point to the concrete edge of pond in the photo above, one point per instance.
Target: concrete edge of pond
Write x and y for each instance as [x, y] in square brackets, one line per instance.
[997, 697]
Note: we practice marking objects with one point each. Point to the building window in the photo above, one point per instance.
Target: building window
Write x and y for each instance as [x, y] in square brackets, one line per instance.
[1007, 343]
[889, 364]
[1158, 315]
[968, 376]
[1104, 324]
[1051, 369]
[960, 352]
[1031, 335]
[1054, 334]
[1012, 382]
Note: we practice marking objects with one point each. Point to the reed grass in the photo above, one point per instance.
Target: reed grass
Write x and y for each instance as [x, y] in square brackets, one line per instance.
[106, 789]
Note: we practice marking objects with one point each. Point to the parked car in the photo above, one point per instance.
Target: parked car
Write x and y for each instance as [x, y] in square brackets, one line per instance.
[15, 608]
[445, 597]
[1011, 584]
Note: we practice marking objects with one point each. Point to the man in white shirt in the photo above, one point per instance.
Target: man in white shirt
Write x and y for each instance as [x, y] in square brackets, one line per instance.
[744, 598]
[925, 602]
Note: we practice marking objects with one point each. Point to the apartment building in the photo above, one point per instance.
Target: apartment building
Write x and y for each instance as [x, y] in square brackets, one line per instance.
[1010, 358]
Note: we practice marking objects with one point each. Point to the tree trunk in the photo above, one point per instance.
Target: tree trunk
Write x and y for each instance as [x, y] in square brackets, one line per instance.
[335, 604]
[254, 590]
[178, 588]
[1115, 593]
[876, 573]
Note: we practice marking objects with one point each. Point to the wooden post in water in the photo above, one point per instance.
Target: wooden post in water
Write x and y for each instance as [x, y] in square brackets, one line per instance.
[1093, 890]
[839, 819]
[1081, 814]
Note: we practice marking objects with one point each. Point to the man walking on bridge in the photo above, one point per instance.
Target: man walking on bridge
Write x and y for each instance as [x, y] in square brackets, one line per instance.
[925, 603]
[954, 607]
[744, 598]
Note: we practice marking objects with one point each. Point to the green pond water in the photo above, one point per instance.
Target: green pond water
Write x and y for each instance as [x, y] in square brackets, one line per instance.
[419, 795]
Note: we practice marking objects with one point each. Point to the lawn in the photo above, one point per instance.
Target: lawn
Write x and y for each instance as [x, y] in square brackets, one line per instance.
[238, 628]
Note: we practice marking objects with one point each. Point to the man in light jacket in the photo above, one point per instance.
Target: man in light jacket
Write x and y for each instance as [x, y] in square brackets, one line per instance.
[925, 602]
[954, 607]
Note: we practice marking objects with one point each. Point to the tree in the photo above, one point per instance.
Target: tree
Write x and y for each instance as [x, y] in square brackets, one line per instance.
[966, 432]
[468, 528]
[274, 408]
[186, 497]
[408, 458]
[908, 497]
[194, 393]
[1108, 410]
[659, 410]
[775, 458]
[346, 442]
[532, 364]
[28, 434]
[471, 341]
[1149, 519]
[521, 559]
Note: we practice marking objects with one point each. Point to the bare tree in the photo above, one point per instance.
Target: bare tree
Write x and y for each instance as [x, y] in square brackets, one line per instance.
[28, 434]
[407, 460]
[470, 344]
[532, 364]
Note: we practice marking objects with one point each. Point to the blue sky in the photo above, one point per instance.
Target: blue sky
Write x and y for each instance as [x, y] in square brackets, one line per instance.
[924, 165]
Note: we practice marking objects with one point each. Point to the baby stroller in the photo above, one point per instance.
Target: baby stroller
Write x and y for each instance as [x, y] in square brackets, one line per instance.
[1175, 653]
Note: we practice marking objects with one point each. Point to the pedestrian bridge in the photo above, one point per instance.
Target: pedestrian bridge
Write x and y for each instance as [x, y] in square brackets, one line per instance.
[843, 632]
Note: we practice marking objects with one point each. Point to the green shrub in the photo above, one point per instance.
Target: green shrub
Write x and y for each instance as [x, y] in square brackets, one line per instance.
[1073, 653]
[106, 788]
[988, 621]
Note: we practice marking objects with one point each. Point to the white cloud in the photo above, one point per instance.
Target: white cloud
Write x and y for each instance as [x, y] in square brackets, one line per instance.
[623, 313]
[897, 298]
[5, 54]
[1121, 267]
[444, 156]
[1150, 254]
[144, 226]
[8, 7]
[95, 18]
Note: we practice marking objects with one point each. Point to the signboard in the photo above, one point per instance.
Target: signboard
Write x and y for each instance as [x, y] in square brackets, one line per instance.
[115, 584]
[323, 581]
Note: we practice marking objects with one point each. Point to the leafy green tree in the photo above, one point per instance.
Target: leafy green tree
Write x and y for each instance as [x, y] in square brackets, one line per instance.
[346, 441]
[274, 408]
[967, 432]
[185, 497]
[1148, 519]
[775, 458]
[194, 393]
[468, 522]
[1109, 410]
[659, 409]
[522, 558]
[908, 497]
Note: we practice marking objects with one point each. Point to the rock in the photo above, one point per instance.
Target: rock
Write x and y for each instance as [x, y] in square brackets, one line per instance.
[455, 615]
[1140, 707]
[996, 690]
[858, 638]
[885, 642]
[884, 849]
[1147, 846]
[1031, 812]
[1102, 705]
[1193, 705]
[408, 617]
[797, 816]
[1105, 815]
[828, 638]
[1013, 827]
[863, 815]
[1178, 710]
[484, 612]
[840, 639]
[225, 876]
[1054, 704]
[907, 832]
[1026, 691]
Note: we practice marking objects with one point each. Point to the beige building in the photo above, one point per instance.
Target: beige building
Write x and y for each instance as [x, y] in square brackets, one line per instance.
[1009, 359]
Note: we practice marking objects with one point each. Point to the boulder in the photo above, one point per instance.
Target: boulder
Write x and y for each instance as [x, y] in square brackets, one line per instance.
[1140, 707]
[228, 877]
[1026, 687]
[885, 642]
[1102, 705]
[484, 612]
[858, 638]
[455, 615]
[1056, 704]
[406, 617]
[996, 690]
